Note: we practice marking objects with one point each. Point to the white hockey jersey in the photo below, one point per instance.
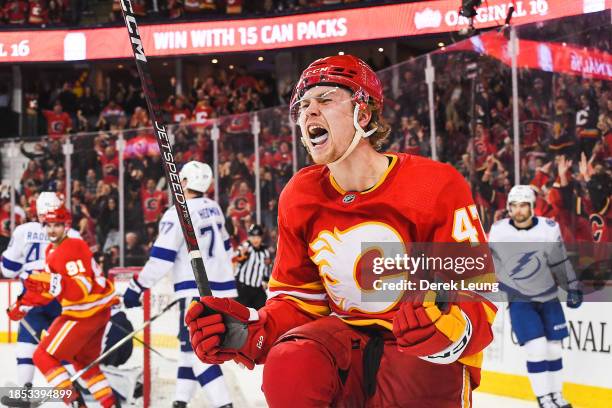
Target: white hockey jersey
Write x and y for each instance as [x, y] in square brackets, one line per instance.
[26, 250]
[528, 260]
[169, 252]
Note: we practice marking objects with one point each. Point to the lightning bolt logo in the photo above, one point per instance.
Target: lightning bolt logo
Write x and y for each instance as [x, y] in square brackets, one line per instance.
[522, 262]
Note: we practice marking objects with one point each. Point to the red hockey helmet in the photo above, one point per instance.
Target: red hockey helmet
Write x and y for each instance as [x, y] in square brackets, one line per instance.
[59, 215]
[346, 71]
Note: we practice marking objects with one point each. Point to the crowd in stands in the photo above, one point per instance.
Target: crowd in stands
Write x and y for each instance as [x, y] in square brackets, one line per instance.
[38, 12]
[206, 9]
[70, 12]
[93, 122]
[565, 142]
[565, 139]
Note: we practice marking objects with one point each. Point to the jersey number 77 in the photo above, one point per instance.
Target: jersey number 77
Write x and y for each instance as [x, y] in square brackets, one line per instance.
[210, 230]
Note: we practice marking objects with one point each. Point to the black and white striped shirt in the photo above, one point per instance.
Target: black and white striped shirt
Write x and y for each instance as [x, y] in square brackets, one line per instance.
[252, 270]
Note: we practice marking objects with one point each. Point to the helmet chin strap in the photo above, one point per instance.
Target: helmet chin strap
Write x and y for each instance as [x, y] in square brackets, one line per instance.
[359, 134]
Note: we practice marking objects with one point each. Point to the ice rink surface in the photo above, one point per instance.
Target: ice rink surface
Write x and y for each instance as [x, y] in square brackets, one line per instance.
[244, 386]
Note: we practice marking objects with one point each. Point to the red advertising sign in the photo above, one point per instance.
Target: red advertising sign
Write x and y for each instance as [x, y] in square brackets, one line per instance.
[17, 46]
[339, 26]
[545, 56]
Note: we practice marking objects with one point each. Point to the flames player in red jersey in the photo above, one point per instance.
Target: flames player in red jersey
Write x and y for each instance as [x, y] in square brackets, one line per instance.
[323, 342]
[72, 276]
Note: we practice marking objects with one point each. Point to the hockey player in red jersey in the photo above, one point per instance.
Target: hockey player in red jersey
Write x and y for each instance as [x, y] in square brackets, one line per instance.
[72, 276]
[323, 341]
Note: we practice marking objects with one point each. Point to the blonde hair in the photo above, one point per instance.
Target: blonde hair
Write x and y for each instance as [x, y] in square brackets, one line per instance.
[383, 129]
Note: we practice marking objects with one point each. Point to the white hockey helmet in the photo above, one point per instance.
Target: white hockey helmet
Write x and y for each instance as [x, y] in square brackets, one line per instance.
[522, 194]
[198, 175]
[47, 201]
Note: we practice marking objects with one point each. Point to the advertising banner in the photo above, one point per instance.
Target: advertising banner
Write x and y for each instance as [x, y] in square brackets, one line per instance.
[338, 26]
[545, 56]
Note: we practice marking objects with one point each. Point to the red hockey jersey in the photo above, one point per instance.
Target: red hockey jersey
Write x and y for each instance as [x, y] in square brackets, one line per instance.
[58, 124]
[601, 224]
[178, 115]
[202, 115]
[153, 203]
[84, 290]
[38, 12]
[323, 230]
[110, 168]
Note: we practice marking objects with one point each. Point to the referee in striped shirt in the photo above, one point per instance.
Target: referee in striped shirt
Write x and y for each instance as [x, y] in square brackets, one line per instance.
[253, 269]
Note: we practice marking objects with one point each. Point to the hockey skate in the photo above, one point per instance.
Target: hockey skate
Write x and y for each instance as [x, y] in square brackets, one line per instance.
[558, 399]
[546, 401]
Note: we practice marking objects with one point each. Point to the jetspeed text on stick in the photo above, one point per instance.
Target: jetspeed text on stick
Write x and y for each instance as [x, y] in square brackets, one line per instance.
[175, 181]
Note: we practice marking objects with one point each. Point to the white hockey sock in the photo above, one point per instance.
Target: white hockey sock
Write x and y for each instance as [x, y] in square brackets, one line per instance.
[185, 389]
[211, 380]
[555, 365]
[537, 366]
[25, 366]
[186, 384]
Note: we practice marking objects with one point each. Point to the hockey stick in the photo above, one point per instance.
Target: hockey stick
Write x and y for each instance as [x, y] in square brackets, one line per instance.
[27, 326]
[32, 332]
[29, 329]
[144, 344]
[102, 356]
[18, 402]
[166, 151]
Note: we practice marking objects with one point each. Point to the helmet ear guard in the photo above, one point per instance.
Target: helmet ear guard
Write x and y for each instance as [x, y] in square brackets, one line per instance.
[361, 99]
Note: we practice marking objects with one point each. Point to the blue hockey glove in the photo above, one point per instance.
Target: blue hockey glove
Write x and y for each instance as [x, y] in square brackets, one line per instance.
[574, 298]
[131, 297]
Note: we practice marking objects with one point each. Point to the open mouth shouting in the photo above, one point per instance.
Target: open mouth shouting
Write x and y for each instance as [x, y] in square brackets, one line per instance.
[318, 135]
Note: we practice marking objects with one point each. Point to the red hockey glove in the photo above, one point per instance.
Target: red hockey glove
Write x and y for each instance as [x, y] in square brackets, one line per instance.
[421, 329]
[47, 284]
[17, 310]
[222, 329]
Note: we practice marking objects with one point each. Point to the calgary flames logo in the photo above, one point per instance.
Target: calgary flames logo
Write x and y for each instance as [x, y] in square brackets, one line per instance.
[345, 260]
[597, 227]
[151, 204]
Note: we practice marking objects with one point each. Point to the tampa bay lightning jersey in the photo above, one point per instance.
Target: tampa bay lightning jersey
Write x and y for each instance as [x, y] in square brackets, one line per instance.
[169, 252]
[527, 260]
[26, 250]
